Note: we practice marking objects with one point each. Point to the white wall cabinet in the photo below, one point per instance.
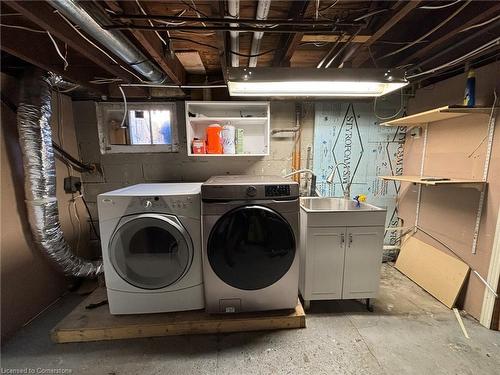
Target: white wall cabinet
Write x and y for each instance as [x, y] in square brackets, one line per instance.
[340, 262]
[253, 118]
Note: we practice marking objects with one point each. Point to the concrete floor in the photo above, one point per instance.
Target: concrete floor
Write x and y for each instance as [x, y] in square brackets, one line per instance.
[408, 333]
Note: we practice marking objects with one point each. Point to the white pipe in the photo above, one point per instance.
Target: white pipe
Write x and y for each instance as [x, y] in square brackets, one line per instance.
[299, 171]
[234, 12]
[262, 12]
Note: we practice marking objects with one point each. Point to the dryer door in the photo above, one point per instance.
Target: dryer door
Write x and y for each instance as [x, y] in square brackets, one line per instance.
[151, 251]
[251, 247]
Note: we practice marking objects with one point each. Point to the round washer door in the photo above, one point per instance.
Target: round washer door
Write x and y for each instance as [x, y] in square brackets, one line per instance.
[151, 251]
[251, 247]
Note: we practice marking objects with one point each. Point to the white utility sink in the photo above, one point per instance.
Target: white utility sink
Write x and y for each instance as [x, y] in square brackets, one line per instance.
[328, 211]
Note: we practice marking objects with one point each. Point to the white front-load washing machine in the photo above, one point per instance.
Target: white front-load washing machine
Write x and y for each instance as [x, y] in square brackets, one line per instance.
[250, 240]
[151, 248]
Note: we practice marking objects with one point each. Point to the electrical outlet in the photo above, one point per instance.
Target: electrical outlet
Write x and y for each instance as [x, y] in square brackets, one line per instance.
[72, 184]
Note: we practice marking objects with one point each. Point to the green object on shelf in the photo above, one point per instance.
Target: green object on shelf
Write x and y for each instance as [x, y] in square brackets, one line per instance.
[239, 141]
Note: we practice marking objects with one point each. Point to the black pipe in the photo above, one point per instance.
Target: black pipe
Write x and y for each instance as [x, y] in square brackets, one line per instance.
[71, 159]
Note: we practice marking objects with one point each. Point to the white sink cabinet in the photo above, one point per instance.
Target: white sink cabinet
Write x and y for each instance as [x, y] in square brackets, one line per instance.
[340, 250]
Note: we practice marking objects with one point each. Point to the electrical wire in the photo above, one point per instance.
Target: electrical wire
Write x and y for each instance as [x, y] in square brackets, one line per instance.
[493, 107]
[90, 215]
[58, 50]
[328, 7]
[480, 24]
[208, 86]
[96, 46]
[401, 107]
[23, 28]
[151, 23]
[370, 14]
[125, 109]
[484, 47]
[439, 6]
[441, 24]
[77, 217]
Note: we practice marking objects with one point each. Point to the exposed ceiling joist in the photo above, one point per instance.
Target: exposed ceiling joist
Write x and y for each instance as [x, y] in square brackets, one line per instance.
[42, 14]
[389, 24]
[334, 38]
[154, 47]
[421, 52]
[290, 42]
[34, 49]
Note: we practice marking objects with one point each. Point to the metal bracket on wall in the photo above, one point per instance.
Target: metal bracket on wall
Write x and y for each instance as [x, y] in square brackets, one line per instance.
[422, 163]
[491, 133]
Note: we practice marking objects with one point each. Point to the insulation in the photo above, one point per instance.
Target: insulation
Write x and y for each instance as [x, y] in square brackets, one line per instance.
[35, 138]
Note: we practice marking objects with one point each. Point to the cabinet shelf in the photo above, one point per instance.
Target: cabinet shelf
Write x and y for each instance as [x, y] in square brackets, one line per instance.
[437, 114]
[458, 182]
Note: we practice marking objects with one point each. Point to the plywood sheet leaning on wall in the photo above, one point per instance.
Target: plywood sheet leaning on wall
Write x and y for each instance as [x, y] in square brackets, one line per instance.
[438, 273]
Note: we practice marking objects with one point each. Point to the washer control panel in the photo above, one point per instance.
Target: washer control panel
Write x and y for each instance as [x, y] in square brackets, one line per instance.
[277, 190]
[152, 203]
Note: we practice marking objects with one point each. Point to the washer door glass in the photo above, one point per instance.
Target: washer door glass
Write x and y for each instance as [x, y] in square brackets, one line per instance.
[151, 251]
[251, 247]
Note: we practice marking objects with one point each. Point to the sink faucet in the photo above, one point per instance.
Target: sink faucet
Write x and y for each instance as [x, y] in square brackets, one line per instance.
[347, 188]
[312, 190]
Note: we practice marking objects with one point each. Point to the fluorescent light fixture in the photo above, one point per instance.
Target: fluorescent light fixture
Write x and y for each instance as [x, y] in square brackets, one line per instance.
[346, 83]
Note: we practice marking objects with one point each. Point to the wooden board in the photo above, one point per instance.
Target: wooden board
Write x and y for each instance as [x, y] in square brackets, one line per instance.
[438, 273]
[98, 324]
[437, 114]
[460, 182]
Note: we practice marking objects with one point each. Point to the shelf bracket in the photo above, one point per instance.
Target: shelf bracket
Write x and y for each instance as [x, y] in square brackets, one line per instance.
[491, 133]
[419, 194]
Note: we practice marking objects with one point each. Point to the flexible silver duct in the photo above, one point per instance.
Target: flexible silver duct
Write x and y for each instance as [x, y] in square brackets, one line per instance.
[115, 41]
[35, 138]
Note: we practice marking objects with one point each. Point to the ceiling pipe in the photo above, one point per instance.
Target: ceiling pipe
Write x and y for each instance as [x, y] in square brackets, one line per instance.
[114, 41]
[262, 11]
[234, 12]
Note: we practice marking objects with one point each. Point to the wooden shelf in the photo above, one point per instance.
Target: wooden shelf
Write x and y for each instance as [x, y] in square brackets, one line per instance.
[437, 114]
[457, 182]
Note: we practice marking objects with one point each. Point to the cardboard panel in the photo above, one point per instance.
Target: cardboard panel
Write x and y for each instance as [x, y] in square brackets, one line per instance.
[438, 273]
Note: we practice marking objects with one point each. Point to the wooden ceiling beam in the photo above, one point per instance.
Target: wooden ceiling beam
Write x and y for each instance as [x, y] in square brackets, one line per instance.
[42, 14]
[450, 34]
[154, 47]
[290, 42]
[389, 24]
[37, 49]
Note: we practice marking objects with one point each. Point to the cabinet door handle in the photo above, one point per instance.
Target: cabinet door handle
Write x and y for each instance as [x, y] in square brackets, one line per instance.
[342, 239]
[350, 239]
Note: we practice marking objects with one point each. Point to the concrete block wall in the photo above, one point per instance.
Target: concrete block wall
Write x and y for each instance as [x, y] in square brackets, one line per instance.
[119, 170]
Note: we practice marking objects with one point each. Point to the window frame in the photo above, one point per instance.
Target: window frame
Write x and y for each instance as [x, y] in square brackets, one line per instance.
[104, 111]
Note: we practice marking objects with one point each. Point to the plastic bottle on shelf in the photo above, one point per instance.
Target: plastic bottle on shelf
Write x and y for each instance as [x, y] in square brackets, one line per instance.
[228, 139]
[214, 141]
[470, 89]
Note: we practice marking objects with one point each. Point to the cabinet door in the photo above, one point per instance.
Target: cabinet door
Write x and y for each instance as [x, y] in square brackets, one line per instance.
[327, 246]
[363, 260]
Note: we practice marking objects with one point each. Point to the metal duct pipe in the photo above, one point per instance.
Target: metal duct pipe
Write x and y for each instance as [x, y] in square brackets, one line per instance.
[35, 138]
[115, 41]
[234, 12]
[262, 12]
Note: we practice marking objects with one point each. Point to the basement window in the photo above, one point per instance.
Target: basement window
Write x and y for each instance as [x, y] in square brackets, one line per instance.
[148, 128]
